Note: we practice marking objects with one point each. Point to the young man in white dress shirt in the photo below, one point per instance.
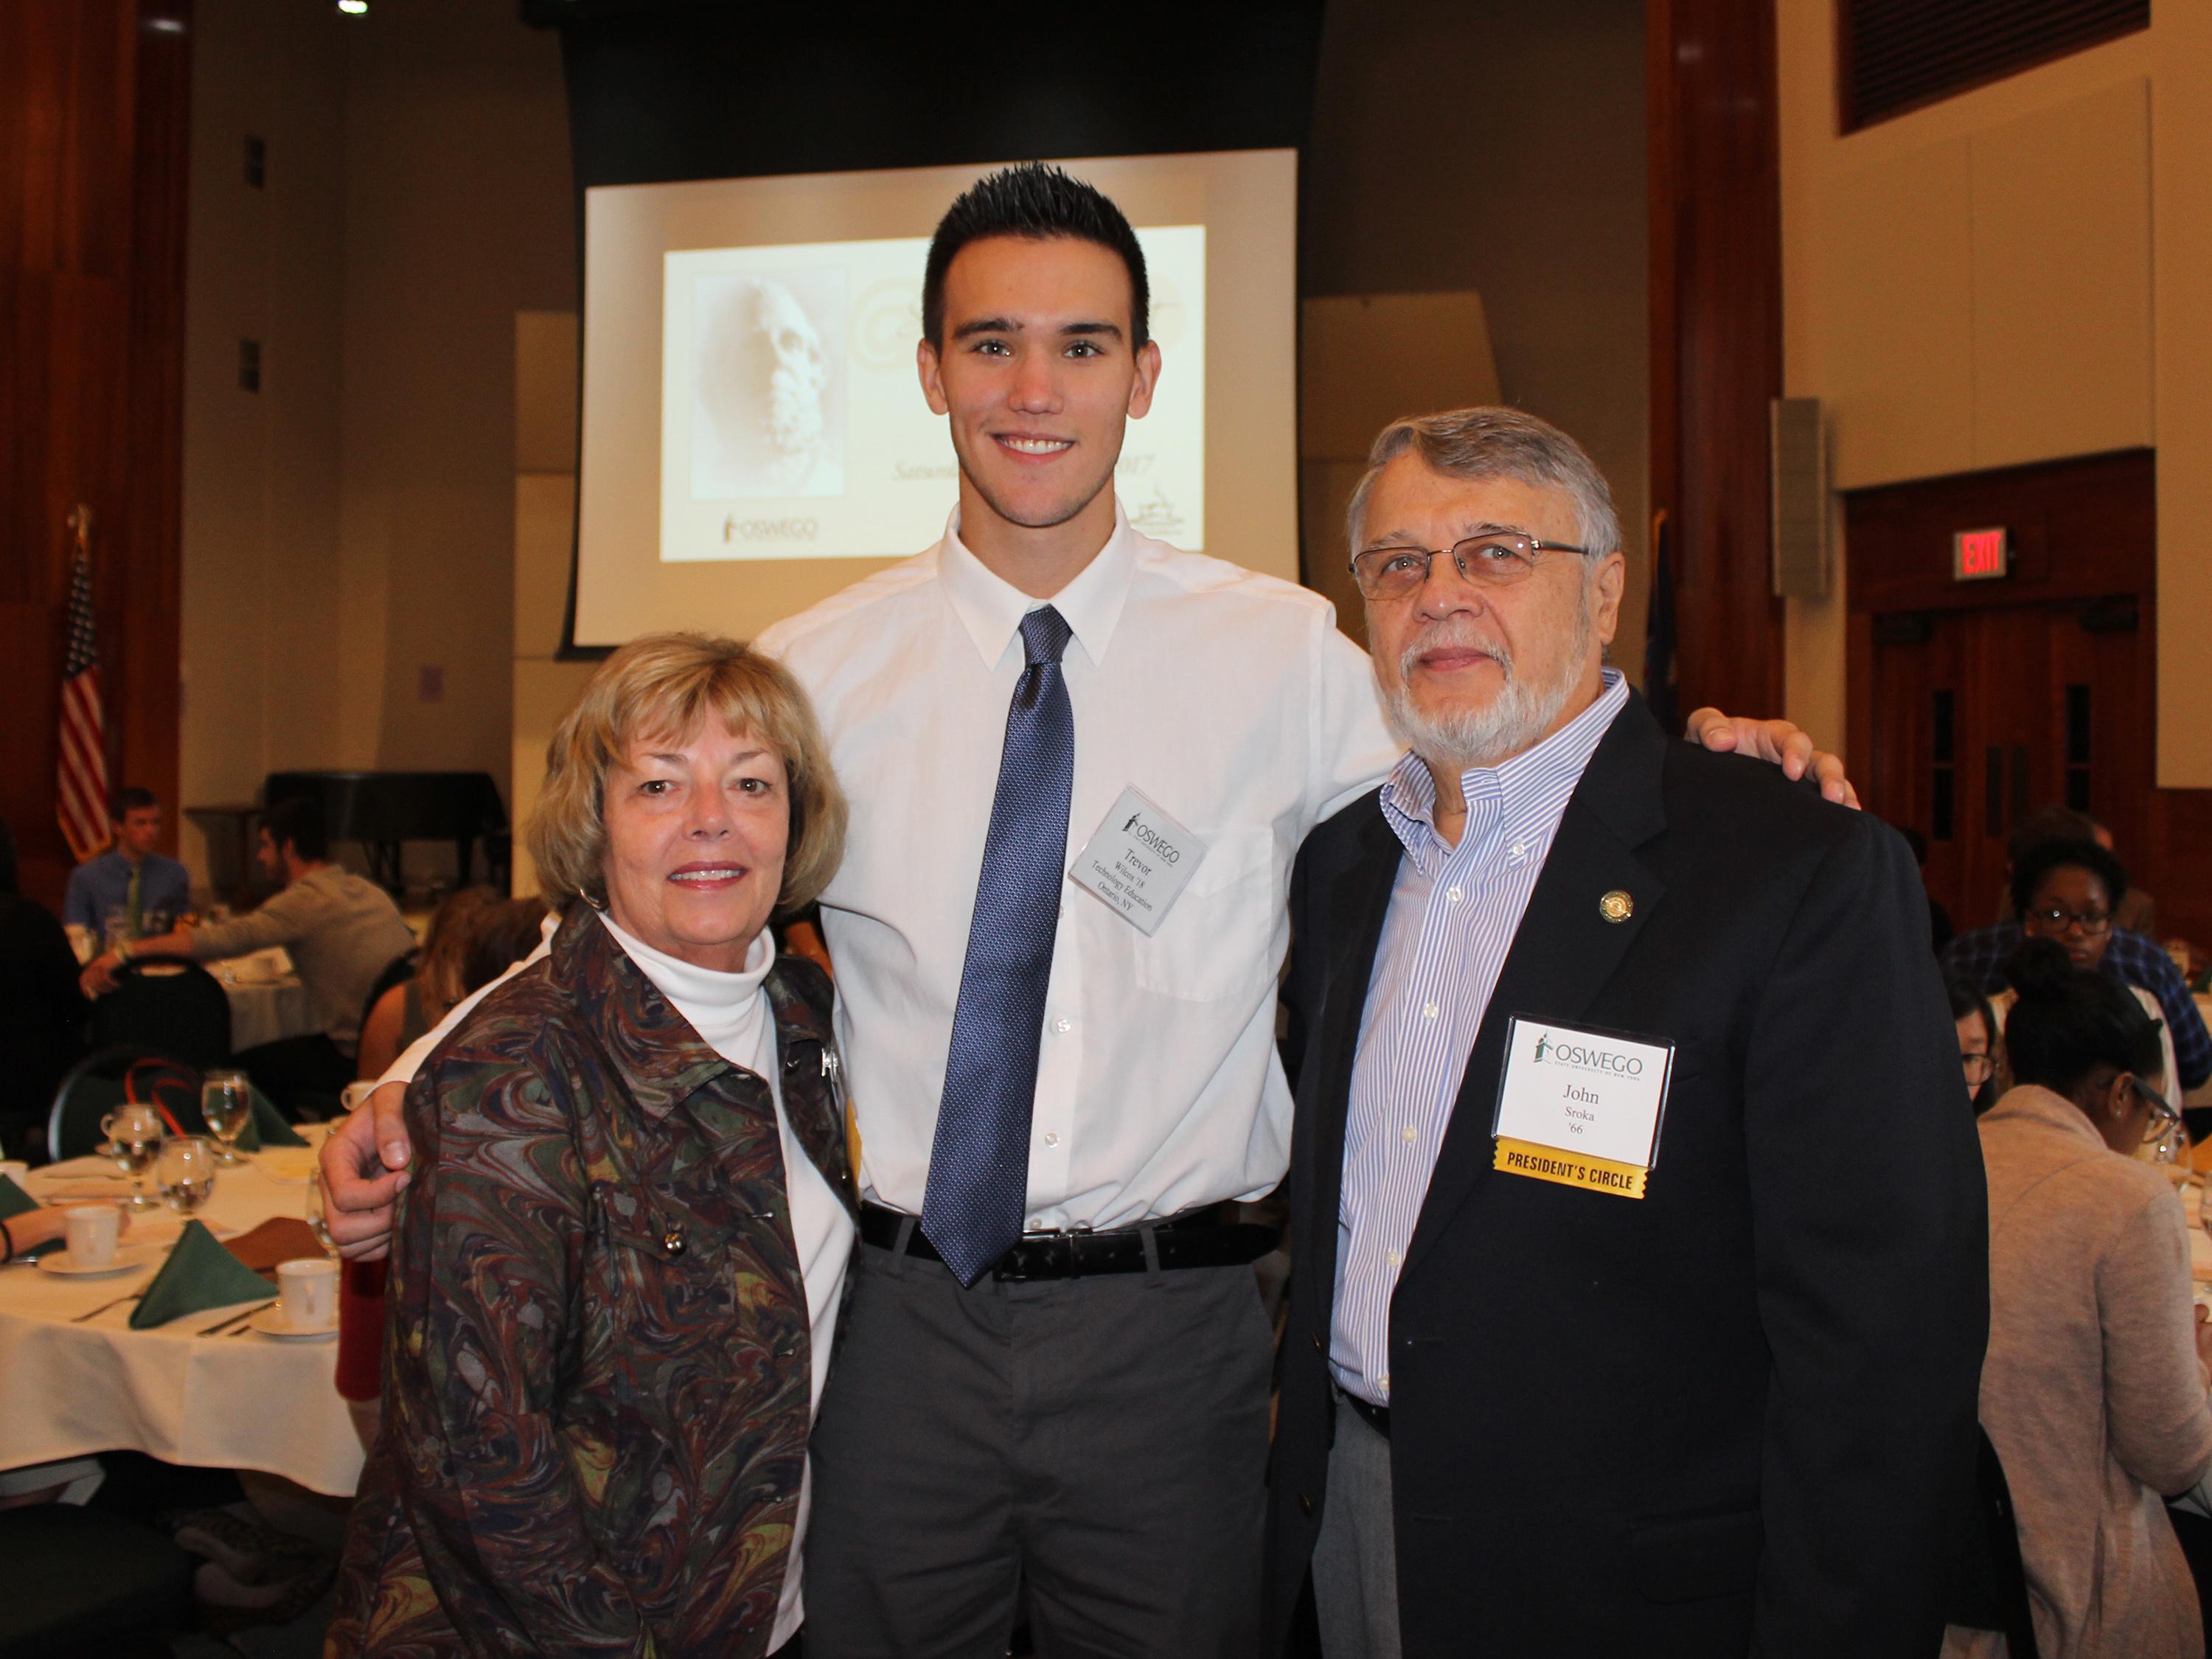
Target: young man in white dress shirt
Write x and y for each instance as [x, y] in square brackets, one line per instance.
[1077, 1423]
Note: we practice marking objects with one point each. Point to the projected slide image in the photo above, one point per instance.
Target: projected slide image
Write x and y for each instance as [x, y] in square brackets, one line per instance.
[793, 426]
[767, 395]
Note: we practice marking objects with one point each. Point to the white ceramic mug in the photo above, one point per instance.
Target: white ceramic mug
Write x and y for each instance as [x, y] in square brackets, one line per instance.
[91, 1229]
[307, 1291]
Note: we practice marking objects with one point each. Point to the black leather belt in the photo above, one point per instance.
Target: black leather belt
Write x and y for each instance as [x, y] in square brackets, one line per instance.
[1377, 1417]
[1196, 1238]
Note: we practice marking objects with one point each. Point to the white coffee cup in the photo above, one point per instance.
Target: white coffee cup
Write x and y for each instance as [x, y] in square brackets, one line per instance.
[17, 1171]
[307, 1291]
[91, 1229]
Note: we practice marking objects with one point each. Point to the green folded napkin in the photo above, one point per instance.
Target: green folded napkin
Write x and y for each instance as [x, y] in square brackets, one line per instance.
[198, 1275]
[266, 1127]
[14, 1200]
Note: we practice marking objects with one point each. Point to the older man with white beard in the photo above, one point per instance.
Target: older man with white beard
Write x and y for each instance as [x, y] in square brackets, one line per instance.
[1639, 1289]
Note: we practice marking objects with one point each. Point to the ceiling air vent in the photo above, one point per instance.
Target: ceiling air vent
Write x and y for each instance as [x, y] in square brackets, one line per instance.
[1896, 55]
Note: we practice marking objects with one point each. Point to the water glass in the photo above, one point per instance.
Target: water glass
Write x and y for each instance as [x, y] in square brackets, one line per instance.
[227, 1106]
[185, 1173]
[318, 1221]
[119, 931]
[134, 1141]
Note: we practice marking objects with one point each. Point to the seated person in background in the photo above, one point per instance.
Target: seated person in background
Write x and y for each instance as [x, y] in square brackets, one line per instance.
[506, 934]
[1980, 1036]
[129, 876]
[2137, 911]
[2093, 1387]
[475, 936]
[42, 1011]
[408, 1009]
[1979, 958]
[2068, 892]
[340, 930]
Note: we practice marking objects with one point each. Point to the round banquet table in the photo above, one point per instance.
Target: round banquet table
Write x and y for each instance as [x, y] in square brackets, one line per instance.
[238, 1401]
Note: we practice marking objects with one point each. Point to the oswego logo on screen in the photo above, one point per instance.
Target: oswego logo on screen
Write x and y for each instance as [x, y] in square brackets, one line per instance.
[735, 528]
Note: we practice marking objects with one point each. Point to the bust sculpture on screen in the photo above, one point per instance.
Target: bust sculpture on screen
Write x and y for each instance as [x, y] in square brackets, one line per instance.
[762, 424]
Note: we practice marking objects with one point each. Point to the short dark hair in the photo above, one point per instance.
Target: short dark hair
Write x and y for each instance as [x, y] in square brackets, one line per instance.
[2048, 824]
[298, 821]
[2071, 1024]
[1038, 203]
[128, 799]
[2040, 860]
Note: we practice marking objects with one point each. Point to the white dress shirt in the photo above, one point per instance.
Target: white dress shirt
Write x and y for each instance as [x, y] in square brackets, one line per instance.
[1228, 698]
[1453, 913]
[1232, 701]
[731, 1012]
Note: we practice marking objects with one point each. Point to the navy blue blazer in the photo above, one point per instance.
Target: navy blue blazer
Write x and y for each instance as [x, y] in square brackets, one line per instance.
[1736, 1416]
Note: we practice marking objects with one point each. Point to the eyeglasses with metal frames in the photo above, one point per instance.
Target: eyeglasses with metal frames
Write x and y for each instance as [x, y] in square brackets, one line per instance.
[1497, 558]
[2163, 1116]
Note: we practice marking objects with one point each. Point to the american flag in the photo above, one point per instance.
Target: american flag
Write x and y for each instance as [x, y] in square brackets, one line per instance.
[81, 799]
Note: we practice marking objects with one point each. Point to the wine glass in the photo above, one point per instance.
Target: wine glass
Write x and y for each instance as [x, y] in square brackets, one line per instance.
[226, 1104]
[185, 1173]
[318, 1221]
[134, 1141]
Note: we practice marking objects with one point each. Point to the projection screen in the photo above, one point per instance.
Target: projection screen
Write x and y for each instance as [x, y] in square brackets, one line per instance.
[754, 436]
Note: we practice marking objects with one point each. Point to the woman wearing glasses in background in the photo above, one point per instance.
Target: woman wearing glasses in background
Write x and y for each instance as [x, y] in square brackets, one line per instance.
[2093, 1389]
[2067, 891]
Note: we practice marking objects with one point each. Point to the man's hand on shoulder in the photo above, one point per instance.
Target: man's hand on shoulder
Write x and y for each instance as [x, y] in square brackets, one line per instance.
[1780, 744]
[364, 1169]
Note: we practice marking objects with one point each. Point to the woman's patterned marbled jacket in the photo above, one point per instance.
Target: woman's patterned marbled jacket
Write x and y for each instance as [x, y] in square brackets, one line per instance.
[597, 1362]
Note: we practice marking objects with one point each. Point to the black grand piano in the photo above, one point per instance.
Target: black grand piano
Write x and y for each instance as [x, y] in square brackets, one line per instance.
[383, 810]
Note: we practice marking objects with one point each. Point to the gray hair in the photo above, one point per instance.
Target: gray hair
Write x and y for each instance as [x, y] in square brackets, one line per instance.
[1494, 442]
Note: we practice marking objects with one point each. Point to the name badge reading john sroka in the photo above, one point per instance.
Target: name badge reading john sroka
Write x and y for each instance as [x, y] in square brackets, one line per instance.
[1137, 860]
[1581, 1107]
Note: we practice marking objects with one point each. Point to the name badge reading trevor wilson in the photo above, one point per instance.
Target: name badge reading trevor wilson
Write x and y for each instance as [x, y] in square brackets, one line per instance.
[1137, 860]
[1581, 1107]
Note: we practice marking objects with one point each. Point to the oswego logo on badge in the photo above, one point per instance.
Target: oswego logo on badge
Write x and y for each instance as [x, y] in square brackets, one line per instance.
[1583, 1058]
[1151, 837]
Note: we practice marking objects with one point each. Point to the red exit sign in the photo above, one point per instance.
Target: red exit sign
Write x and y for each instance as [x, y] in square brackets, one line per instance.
[1979, 555]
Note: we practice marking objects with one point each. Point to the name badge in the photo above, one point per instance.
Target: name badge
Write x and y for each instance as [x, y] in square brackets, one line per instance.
[1137, 860]
[1581, 1107]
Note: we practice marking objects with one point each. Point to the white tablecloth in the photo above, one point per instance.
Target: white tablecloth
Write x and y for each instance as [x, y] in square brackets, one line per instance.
[263, 1013]
[245, 1402]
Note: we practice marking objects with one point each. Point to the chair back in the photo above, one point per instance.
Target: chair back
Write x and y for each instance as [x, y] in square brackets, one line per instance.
[1987, 1588]
[109, 1078]
[397, 971]
[168, 1005]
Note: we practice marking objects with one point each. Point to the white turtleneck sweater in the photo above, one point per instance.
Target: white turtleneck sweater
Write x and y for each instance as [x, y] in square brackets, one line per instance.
[730, 1012]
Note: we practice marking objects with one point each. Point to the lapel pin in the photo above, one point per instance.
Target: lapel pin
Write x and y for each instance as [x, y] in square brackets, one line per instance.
[1616, 906]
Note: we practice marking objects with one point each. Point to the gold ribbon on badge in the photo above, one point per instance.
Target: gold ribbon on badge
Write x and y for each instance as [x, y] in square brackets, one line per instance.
[1598, 1174]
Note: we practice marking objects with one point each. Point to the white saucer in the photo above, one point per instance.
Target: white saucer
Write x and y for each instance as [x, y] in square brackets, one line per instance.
[270, 1322]
[127, 1256]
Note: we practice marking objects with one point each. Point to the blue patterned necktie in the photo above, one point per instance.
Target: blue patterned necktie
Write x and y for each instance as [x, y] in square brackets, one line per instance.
[978, 1164]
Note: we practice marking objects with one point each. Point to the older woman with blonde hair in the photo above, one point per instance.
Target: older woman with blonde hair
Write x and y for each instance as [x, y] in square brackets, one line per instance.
[616, 1270]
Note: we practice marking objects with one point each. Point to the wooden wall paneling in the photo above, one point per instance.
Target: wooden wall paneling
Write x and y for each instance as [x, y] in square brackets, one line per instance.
[93, 140]
[1716, 238]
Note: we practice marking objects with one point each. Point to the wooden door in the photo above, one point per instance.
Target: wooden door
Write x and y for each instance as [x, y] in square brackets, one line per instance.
[1980, 717]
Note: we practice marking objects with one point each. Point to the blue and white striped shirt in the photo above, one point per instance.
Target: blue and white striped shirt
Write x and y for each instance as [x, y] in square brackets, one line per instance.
[1454, 912]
